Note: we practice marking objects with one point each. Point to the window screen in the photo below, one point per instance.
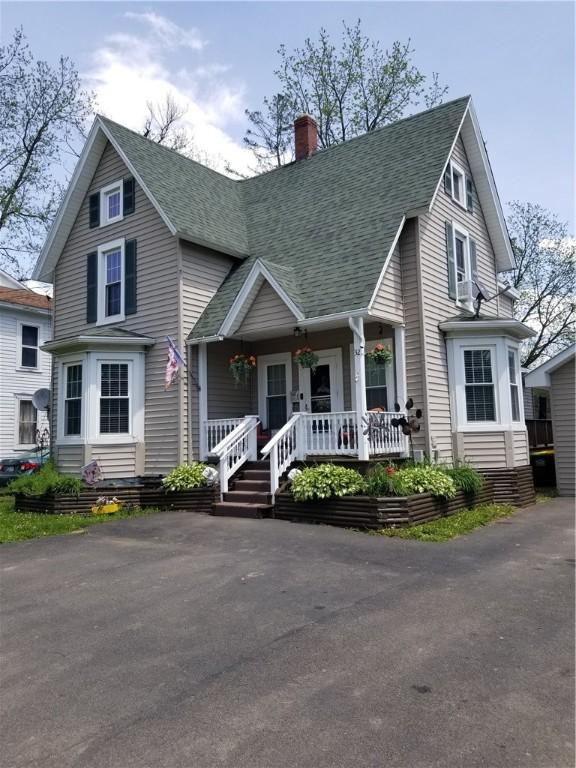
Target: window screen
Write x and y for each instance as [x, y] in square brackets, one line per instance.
[480, 404]
[73, 400]
[27, 420]
[114, 399]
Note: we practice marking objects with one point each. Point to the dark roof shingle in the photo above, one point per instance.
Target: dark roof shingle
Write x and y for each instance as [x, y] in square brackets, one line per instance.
[25, 297]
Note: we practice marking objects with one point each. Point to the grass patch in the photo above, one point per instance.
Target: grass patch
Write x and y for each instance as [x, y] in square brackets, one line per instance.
[447, 528]
[17, 526]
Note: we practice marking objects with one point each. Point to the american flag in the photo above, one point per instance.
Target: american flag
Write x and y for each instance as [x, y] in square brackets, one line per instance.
[173, 365]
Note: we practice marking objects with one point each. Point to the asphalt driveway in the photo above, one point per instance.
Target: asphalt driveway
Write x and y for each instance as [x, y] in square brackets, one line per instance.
[185, 641]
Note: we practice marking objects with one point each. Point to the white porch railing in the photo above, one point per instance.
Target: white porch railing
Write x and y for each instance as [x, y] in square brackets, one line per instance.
[235, 449]
[285, 447]
[215, 430]
[330, 434]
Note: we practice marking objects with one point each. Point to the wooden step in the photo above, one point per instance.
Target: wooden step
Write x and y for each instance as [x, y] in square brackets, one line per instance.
[250, 497]
[263, 464]
[238, 509]
[256, 474]
[250, 485]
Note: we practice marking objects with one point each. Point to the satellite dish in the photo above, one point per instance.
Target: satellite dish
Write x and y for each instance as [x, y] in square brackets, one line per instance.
[41, 399]
[480, 291]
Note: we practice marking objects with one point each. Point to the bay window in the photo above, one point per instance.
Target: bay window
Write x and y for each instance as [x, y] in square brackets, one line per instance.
[73, 399]
[114, 399]
[513, 376]
[479, 385]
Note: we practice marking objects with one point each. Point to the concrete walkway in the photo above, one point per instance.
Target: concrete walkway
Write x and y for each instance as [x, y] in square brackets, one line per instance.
[194, 642]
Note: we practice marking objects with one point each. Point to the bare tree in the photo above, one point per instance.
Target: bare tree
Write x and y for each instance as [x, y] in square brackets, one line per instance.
[162, 124]
[544, 276]
[350, 90]
[43, 113]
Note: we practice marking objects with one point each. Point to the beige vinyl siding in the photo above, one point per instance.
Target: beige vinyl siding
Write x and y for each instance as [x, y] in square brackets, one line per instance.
[415, 365]
[267, 311]
[438, 306]
[505, 306]
[157, 299]
[562, 397]
[202, 273]
[226, 399]
[520, 445]
[70, 458]
[486, 450]
[388, 303]
[116, 461]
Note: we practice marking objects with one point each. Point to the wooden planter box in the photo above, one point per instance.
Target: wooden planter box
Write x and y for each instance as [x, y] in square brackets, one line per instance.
[197, 500]
[370, 512]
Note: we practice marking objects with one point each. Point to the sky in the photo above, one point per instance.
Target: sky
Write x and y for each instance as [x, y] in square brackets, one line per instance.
[516, 59]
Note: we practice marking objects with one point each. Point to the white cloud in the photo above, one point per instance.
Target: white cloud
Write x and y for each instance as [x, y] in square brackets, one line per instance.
[130, 70]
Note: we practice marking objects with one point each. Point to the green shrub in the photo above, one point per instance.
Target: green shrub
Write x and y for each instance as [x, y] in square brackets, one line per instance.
[186, 477]
[423, 479]
[46, 480]
[378, 480]
[466, 478]
[326, 481]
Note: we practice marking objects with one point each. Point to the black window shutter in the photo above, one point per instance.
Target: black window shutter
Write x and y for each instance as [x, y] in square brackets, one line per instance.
[130, 279]
[473, 260]
[451, 261]
[469, 195]
[129, 203]
[94, 208]
[448, 179]
[92, 288]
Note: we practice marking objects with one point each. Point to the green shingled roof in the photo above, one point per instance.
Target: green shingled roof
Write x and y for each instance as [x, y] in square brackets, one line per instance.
[323, 227]
[203, 205]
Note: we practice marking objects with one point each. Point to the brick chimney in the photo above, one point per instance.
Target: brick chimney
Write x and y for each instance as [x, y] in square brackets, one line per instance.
[305, 136]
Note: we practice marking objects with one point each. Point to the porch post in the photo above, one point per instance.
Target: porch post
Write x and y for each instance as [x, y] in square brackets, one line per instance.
[359, 392]
[400, 364]
[202, 398]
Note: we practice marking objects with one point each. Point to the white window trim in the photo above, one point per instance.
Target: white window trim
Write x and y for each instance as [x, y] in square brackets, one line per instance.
[499, 346]
[104, 192]
[457, 229]
[263, 362]
[517, 384]
[102, 251]
[18, 400]
[458, 168]
[19, 367]
[90, 411]
[390, 378]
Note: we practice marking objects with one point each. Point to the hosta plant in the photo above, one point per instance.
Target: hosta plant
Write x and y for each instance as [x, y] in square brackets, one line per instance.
[423, 479]
[326, 481]
[186, 477]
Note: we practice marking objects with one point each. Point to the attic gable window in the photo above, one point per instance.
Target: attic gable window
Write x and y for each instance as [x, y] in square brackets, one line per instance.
[111, 203]
[458, 185]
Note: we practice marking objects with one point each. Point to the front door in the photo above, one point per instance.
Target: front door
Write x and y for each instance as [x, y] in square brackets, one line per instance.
[321, 388]
[274, 388]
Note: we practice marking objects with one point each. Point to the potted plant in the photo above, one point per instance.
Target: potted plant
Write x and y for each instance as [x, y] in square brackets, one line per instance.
[241, 366]
[106, 506]
[306, 358]
[380, 354]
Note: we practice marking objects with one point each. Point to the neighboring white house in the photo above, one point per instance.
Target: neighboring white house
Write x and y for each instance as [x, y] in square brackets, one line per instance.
[557, 375]
[25, 324]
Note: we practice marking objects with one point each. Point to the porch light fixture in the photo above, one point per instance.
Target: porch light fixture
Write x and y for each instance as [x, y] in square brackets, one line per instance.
[297, 331]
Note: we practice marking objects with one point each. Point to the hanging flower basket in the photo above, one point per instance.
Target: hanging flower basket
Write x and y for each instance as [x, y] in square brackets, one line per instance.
[306, 358]
[380, 354]
[241, 366]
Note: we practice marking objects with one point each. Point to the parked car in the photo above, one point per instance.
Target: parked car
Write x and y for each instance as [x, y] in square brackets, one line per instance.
[25, 464]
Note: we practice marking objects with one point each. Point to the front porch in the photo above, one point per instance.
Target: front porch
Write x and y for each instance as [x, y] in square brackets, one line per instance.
[286, 413]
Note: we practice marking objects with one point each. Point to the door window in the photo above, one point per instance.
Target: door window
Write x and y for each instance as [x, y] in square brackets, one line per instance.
[276, 405]
[320, 389]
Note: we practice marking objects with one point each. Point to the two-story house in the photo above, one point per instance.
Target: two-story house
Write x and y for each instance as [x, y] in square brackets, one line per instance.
[386, 238]
[25, 326]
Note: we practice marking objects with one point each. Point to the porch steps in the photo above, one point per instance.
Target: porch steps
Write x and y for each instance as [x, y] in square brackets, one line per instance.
[249, 494]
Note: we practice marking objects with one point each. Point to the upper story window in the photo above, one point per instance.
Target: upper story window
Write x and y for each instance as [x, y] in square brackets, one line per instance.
[111, 279]
[29, 351]
[459, 186]
[462, 265]
[27, 422]
[111, 203]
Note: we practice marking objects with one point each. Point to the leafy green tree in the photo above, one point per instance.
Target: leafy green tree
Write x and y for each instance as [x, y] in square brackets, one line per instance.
[43, 113]
[349, 89]
[544, 277]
